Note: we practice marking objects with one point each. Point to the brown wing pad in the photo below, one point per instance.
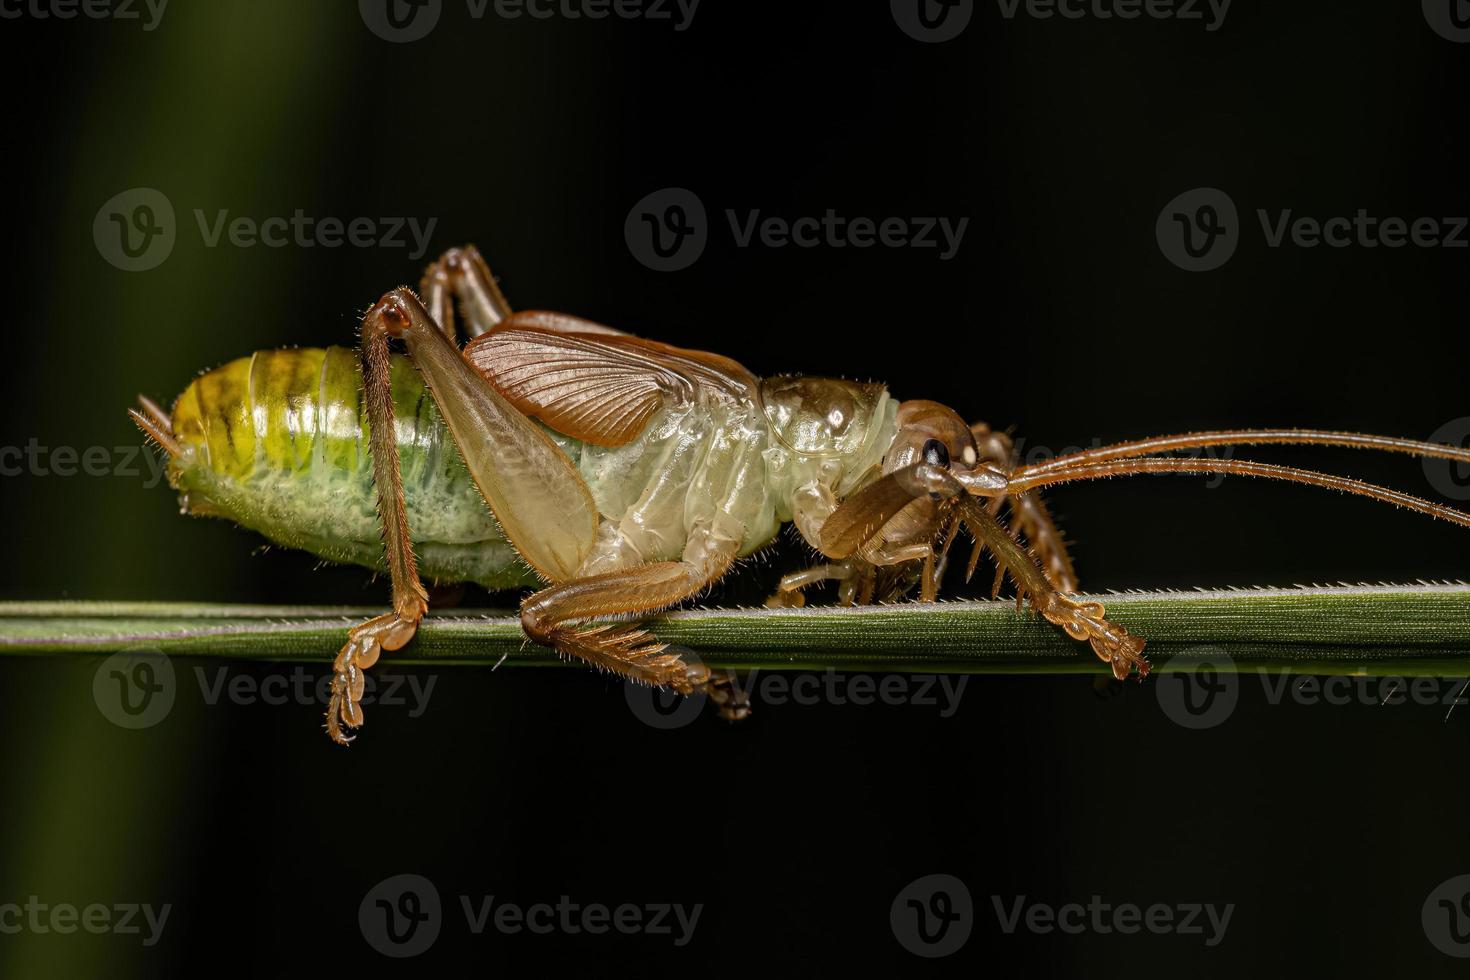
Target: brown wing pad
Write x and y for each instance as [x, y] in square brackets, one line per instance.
[557, 323]
[592, 383]
[594, 388]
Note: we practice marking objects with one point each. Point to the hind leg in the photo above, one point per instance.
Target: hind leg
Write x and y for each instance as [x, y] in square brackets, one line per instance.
[367, 641]
[533, 489]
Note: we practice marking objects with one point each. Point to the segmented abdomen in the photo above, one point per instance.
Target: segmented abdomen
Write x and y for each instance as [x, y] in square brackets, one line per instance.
[278, 442]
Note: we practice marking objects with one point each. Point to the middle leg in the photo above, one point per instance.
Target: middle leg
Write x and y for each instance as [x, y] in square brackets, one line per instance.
[462, 274]
[553, 616]
[1032, 518]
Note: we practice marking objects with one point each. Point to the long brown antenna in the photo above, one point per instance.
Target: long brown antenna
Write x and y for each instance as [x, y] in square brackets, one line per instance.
[1030, 480]
[1250, 437]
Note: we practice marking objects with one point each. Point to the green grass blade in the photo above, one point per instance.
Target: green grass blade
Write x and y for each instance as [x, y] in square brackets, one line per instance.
[1409, 630]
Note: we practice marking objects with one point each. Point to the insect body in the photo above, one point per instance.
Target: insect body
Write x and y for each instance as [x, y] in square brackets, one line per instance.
[628, 475]
[278, 442]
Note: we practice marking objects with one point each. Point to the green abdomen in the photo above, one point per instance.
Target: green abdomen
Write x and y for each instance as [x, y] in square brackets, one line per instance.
[278, 442]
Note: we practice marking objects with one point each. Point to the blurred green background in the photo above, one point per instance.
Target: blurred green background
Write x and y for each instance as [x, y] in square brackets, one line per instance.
[1060, 141]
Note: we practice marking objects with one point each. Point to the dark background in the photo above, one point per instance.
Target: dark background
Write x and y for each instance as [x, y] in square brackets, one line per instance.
[1061, 141]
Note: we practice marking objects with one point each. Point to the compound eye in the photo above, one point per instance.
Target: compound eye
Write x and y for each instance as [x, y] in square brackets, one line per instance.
[935, 453]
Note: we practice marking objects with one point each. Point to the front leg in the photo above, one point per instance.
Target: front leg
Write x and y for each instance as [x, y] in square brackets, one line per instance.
[1114, 645]
[855, 522]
